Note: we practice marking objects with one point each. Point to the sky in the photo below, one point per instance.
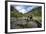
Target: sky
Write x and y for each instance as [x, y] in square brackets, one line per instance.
[24, 8]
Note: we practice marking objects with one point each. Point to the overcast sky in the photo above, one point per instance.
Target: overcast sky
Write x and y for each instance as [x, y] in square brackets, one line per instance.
[24, 8]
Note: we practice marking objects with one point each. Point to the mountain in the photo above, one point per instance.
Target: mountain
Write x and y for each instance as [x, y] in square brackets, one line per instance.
[36, 11]
[15, 13]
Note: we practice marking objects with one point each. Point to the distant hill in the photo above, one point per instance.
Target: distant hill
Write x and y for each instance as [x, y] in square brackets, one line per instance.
[15, 13]
[36, 11]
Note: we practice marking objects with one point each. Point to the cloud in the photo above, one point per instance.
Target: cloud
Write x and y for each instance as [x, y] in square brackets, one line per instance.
[24, 9]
